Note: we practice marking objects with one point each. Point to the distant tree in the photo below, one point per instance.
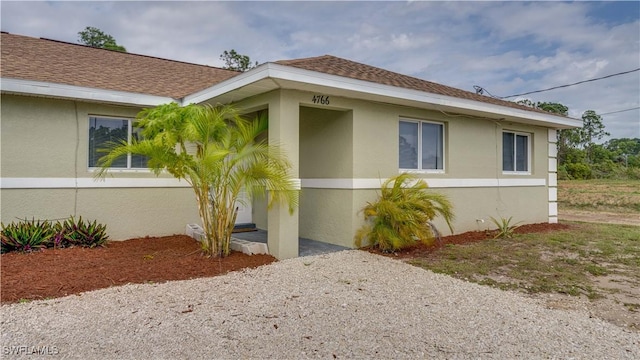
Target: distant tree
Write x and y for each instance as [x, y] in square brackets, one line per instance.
[592, 131]
[237, 62]
[95, 37]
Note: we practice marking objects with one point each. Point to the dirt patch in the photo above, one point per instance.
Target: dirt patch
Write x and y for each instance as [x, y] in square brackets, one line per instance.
[600, 217]
[59, 272]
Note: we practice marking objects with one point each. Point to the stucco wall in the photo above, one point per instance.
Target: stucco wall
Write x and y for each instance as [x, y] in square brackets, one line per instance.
[355, 139]
[46, 140]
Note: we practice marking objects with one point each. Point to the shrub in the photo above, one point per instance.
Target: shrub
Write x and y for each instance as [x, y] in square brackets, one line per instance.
[26, 236]
[402, 214]
[578, 171]
[80, 233]
[505, 228]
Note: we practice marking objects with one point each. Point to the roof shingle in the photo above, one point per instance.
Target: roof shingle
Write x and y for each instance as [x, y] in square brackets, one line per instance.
[29, 58]
[332, 65]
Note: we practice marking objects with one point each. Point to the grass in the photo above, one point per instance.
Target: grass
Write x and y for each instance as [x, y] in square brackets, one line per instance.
[557, 262]
[618, 196]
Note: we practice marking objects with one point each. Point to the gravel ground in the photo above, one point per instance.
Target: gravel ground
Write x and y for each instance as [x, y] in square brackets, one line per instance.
[349, 304]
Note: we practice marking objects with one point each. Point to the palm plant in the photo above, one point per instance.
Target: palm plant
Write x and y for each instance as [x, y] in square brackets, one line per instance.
[402, 214]
[219, 153]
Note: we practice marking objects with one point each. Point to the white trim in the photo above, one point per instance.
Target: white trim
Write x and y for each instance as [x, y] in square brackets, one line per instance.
[529, 137]
[553, 219]
[293, 74]
[553, 179]
[48, 89]
[553, 150]
[553, 209]
[553, 135]
[90, 183]
[553, 164]
[353, 184]
[553, 194]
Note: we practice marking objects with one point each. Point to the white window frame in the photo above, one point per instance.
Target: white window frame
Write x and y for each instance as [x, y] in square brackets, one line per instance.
[129, 134]
[529, 137]
[419, 170]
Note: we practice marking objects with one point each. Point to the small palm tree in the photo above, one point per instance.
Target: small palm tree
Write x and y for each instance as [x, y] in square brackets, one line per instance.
[402, 214]
[219, 154]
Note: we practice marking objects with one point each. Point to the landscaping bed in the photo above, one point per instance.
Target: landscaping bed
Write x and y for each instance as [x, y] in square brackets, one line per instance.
[54, 273]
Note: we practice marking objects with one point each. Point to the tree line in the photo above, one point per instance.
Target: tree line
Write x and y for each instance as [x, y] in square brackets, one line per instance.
[581, 157]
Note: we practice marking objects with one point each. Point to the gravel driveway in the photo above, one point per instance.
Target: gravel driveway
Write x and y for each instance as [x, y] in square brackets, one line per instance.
[349, 304]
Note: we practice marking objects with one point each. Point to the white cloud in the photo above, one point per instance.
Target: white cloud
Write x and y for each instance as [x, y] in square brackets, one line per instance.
[506, 47]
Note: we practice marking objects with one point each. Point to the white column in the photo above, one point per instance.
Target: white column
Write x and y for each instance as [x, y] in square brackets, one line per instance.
[553, 176]
[284, 127]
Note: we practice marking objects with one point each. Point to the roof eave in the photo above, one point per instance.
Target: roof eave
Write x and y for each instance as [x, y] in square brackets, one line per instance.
[54, 90]
[392, 94]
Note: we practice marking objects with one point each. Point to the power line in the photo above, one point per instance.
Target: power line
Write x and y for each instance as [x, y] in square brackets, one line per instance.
[619, 111]
[481, 90]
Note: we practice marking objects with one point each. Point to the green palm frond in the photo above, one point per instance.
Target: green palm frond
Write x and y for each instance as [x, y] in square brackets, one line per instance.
[403, 214]
[226, 158]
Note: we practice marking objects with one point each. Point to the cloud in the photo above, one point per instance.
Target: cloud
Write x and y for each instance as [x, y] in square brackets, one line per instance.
[505, 47]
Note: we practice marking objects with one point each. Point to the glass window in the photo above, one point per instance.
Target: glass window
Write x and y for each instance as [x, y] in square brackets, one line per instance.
[104, 130]
[421, 145]
[515, 152]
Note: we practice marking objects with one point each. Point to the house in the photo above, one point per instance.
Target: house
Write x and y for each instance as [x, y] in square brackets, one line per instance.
[344, 125]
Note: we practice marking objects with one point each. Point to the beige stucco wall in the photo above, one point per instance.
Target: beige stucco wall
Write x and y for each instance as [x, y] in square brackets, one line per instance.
[48, 138]
[358, 139]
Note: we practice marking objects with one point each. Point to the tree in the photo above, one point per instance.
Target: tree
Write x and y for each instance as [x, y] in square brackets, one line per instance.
[94, 37]
[237, 62]
[402, 214]
[219, 154]
[592, 130]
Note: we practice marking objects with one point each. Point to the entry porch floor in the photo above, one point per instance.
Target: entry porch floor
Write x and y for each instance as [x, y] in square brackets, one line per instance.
[306, 247]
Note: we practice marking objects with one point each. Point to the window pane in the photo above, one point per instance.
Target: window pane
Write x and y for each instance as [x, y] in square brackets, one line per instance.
[432, 146]
[522, 153]
[102, 131]
[408, 145]
[137, 161]
[508, 148]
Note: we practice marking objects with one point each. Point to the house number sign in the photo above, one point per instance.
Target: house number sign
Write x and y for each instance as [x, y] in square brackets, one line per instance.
[320, 99]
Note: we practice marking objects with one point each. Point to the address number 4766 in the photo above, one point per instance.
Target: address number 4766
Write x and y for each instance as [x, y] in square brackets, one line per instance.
[320, 99]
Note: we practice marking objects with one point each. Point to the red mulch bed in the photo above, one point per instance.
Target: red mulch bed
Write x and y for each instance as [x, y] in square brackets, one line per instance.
[58, 272]
[420, 249]
[54, 273]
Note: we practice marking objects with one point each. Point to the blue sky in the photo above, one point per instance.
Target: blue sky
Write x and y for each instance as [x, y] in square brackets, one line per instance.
[505, 47]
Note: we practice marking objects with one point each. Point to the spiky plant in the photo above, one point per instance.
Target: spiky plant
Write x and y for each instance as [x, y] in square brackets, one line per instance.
[220, 154]
[505, 227]
[402, 214]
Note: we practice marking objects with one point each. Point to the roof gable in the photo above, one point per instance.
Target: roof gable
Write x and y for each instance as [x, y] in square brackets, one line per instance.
[35, 59]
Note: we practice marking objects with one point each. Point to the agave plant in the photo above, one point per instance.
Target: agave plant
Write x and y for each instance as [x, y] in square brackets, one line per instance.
[26, 236]
[505, 228]
[403, 214]
[78, 232]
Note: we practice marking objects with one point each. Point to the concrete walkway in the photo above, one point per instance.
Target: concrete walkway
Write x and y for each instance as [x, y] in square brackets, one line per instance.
[306, 247]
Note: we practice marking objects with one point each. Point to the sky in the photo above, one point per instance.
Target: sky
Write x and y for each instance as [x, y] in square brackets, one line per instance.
[506, 48]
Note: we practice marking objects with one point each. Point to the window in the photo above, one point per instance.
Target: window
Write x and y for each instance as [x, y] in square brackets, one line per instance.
[103, 130]
[421, 145]
[515, 152]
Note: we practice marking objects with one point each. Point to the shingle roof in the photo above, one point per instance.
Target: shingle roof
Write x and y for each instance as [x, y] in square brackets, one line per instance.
[332, 65]
[29, 58]
[45, 60]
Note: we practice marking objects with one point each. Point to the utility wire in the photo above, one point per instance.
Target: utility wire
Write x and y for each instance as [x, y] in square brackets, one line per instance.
[480, 89]
[619, 111]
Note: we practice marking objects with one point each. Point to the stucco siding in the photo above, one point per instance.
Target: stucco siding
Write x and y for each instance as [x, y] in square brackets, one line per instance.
[127, 213]
[46, 142]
